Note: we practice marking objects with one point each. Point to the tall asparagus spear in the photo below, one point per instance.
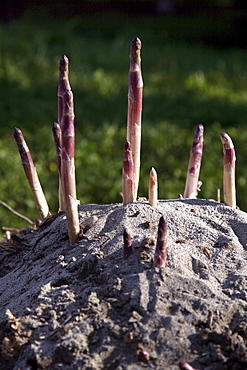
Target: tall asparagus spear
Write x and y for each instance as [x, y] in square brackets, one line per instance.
[57, 134]
[31, 174]
[229, 170]
[68, 168]
[161, 245]
[153, 188]
[135, 91]
[128, 175]
[63, 84]
[192, 184]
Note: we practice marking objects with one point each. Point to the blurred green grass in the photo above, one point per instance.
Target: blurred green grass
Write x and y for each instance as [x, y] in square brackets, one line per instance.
[185, 83]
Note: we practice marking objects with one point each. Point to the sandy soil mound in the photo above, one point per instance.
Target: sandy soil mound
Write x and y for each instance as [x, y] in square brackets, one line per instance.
[86, 307]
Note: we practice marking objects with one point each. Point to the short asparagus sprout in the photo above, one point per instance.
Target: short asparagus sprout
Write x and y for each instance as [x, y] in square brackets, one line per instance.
[31, 174]
[229, 188]
[135, 92]
[153, 188]
[161, 244]
[68, 168]
[57, 134]
[128, 175]
[127, 244]
[192, 184]
[185, 366]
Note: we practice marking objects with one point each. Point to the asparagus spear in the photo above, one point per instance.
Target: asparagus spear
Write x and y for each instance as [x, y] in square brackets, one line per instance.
[161, 245]
[31, 174]
[57, 134]
[127, 243]
[153, 188]
[192, 185]
[185, 366]
[63, 84]
[68, 168]
[229, 170]
[128, 175]
[135, 107]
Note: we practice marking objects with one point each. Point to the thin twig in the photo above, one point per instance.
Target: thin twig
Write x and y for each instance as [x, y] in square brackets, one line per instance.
[15, 212]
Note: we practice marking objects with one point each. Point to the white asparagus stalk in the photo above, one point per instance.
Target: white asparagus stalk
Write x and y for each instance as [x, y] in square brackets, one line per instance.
[153, 188]
[229, 170]
[192, 184]
[135, 91]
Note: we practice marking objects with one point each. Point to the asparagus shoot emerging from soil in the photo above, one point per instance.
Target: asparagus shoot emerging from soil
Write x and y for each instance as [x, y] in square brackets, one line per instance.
[153, 188]
[57, 134]
[161, 244]
[135, 91]
[31, 174]
[128, 175]
[127, 244]
[229, 171]
[185, 366]
[192, 186]
[63, 85]
[68, 168]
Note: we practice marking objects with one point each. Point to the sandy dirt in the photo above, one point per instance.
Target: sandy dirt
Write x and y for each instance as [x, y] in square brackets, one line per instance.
[86, 307]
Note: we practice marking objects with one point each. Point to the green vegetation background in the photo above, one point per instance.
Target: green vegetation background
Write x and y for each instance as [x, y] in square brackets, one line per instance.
[186, 83]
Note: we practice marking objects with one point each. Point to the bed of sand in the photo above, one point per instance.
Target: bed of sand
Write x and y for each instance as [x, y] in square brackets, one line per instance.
[86, 307]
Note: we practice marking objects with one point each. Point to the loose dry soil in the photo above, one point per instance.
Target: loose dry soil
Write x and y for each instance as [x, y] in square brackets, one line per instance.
[86, 307]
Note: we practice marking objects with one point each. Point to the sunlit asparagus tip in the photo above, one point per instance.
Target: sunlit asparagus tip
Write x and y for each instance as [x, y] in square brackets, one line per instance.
[226, 141]
[153, 174]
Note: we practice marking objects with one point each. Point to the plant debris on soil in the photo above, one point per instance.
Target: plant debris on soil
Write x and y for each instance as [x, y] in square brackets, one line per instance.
[87, 307]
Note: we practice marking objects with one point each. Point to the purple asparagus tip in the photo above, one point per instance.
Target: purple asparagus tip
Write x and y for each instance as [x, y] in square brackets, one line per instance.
[135, 49]
[185, 366]
[161, 245]
[127, 244]
[63, 64]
